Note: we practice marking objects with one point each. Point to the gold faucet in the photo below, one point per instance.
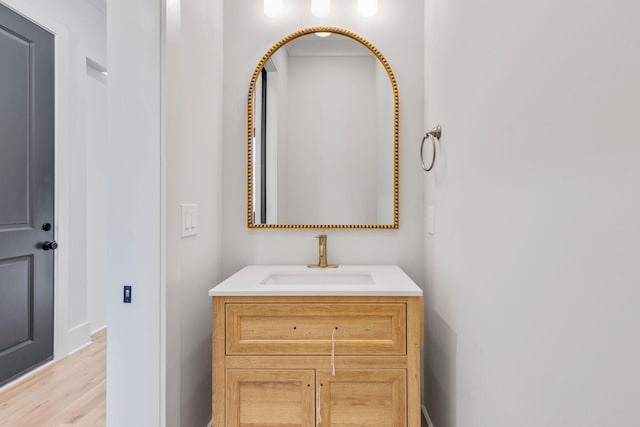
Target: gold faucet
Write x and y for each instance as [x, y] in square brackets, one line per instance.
[322, 249]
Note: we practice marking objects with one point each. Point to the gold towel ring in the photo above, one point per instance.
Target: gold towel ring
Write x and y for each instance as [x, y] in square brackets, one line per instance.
[433, 134]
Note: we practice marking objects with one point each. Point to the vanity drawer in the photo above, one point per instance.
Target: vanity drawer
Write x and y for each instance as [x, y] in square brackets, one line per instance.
[307, 328]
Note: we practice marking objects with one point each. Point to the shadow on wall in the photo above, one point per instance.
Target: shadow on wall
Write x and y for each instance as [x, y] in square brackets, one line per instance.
[440, 371]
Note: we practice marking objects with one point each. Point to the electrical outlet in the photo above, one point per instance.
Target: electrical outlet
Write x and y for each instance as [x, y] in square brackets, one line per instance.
[126, 296]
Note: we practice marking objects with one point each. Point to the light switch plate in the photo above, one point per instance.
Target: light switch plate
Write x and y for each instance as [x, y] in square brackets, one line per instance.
[189, 222]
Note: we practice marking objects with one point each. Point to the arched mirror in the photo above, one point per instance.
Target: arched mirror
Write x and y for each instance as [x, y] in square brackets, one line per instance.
[323, 133]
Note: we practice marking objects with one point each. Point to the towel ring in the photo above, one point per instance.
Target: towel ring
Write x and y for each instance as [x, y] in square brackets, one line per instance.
[433, 134]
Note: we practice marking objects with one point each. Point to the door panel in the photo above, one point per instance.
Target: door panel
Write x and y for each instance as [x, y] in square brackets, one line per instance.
[362, 398]
[270, 398]
[15, 303]
[26, 194]
[15, 103]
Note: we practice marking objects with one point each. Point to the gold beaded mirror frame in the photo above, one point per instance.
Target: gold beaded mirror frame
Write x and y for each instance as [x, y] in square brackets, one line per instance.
[392, 218]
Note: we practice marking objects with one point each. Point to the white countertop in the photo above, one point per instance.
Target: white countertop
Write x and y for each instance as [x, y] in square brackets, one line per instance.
[299, 280]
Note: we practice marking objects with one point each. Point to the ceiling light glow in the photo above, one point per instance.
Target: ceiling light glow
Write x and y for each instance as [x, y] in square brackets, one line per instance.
[320, 8]
[273, 8]
[367, 8]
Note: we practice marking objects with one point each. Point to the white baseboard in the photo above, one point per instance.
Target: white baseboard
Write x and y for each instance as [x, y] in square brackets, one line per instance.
[101, 327]
[75, 350]
[78, 337]
[425, 414]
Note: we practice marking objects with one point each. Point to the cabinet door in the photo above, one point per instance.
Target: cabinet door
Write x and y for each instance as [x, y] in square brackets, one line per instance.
[270, 398]
[366, 398]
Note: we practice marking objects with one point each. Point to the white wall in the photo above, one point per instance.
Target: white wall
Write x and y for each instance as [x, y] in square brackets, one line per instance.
[281, 60]
[277, 105]
[326, 135]
[384, 120]
[532, 273]
[165, 128]
[79, 28]
[397, 31]
[134, 357]
[97, 183]
[194, 175]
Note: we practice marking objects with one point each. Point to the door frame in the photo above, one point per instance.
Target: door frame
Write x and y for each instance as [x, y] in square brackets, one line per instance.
[62, 87]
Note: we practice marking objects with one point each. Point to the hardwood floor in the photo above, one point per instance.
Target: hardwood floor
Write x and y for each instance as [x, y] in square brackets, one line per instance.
[68, 393]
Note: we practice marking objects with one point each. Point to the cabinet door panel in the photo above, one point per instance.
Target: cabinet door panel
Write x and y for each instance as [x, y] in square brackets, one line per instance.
[362, 398]
[270, 398]
[308, 328]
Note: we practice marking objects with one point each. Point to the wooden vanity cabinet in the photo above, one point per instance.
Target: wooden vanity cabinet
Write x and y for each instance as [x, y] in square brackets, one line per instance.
[317, 361]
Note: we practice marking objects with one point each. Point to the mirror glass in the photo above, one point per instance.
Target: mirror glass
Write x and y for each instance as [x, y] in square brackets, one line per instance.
[323, 135]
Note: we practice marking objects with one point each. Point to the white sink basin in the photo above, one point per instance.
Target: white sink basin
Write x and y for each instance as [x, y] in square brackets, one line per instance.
[284, 280]
[330, 277]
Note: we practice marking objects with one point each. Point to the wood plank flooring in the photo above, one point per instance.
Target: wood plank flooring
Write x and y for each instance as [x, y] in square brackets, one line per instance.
[68, 393]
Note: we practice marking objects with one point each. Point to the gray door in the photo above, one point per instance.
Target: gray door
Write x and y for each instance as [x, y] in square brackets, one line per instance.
[26, 194]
